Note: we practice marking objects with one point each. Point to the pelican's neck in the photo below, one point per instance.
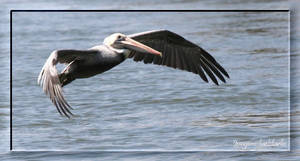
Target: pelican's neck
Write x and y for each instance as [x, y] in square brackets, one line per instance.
[125, 52]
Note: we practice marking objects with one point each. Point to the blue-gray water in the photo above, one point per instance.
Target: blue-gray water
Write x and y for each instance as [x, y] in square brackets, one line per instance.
[142, 110]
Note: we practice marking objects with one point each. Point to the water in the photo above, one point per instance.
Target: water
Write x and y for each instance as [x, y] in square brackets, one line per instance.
[137, 110]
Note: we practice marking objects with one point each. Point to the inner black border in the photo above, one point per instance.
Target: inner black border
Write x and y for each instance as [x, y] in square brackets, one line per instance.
[11, 13]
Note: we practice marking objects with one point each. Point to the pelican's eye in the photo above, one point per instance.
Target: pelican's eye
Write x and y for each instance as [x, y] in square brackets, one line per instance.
[120, 38]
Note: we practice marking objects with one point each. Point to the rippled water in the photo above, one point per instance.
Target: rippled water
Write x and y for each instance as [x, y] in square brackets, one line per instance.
[138, 107]
[144, 107]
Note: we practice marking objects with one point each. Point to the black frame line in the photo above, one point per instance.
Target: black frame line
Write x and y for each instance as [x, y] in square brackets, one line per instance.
[10, 88]
[11, 13]
[287, 10]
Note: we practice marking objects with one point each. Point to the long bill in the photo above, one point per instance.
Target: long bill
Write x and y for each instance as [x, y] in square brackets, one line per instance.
[137, 46]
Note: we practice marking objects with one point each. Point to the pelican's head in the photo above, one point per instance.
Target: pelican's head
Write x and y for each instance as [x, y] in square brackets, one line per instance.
[123, 42]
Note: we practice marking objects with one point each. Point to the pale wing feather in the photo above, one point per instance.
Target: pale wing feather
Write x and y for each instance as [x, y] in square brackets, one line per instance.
[49, 80]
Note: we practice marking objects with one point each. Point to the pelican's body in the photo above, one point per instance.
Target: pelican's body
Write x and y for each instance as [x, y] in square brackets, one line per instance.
[101, 59]
[160, 47]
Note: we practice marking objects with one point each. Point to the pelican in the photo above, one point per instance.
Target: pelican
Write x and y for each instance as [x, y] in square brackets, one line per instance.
[160, 47]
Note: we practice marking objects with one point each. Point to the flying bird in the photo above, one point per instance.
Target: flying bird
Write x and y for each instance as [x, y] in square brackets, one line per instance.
[160, 47]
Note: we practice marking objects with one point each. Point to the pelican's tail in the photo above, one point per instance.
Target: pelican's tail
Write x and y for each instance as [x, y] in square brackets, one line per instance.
[49, 80]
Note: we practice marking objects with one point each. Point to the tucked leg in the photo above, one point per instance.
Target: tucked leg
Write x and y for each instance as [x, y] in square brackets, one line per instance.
[65, 79]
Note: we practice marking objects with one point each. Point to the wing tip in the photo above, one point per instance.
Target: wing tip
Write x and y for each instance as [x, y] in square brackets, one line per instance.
[49, 80]
[227, 75]
[216, 82]
[205, 80]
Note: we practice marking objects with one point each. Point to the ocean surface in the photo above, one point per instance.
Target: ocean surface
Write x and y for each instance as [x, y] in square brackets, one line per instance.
[150, 112]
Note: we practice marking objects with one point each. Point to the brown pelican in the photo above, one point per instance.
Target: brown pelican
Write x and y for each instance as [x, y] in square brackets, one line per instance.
[161, 47]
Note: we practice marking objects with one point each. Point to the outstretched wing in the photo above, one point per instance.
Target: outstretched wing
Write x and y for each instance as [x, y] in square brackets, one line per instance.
[49, 80]
[178, 52]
